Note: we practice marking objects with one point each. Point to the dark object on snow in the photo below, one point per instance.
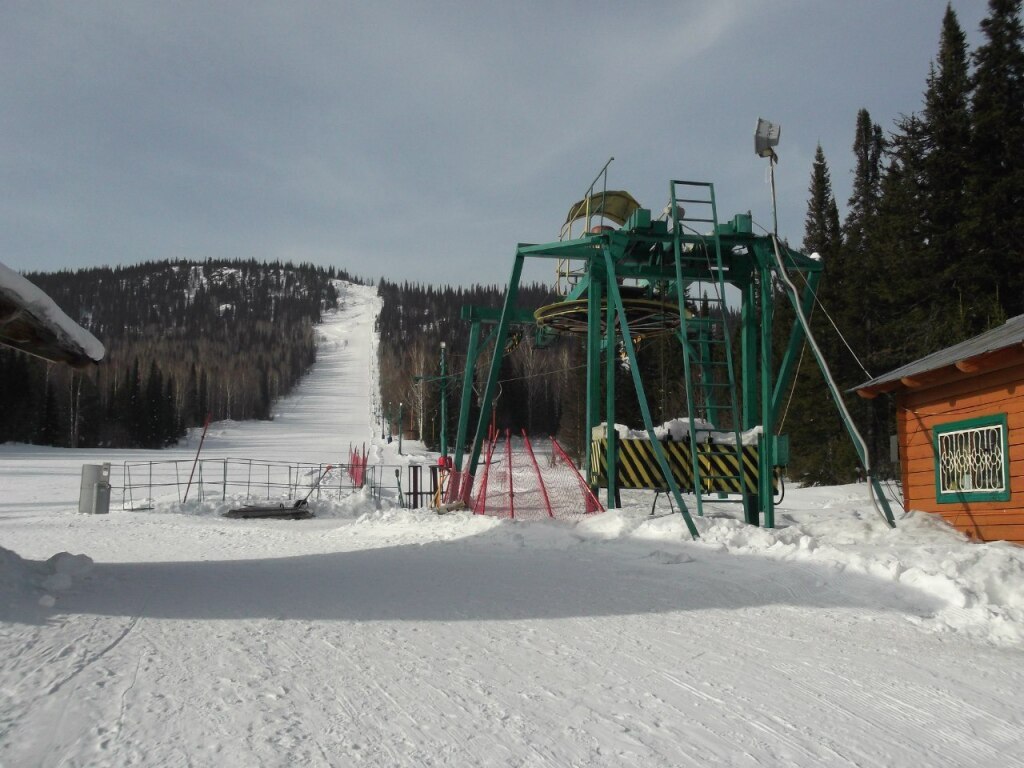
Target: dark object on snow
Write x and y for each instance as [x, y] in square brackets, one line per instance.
[298, 511]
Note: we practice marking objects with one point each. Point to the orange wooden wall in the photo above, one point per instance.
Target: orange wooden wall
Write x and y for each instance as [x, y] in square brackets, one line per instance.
[964, 397]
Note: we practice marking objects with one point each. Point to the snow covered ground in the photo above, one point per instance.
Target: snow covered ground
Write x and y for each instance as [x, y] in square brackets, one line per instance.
[397, 637]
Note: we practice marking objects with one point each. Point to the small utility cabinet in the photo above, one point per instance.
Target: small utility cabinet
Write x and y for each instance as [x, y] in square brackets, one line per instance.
[94, 498]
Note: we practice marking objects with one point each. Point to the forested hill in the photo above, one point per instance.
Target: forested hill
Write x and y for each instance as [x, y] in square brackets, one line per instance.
[541, 389]
[415, 319]
[184, 339]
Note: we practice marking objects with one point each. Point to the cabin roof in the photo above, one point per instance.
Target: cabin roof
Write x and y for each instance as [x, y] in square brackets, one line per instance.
[1009, 334]
[32, 322]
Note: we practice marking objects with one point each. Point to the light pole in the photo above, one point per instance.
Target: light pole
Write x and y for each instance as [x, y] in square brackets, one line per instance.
[766, 138]
[400, 429]
[444, 402]
[443, 379]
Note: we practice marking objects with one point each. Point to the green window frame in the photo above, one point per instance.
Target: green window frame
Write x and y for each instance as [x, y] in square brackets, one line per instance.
[972, 460]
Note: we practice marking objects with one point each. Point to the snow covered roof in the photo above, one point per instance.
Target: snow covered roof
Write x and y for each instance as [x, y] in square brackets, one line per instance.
[966, 356]
[32, 322]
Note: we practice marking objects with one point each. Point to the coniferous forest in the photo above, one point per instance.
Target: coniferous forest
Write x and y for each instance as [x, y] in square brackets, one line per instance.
[184, 340]
[930, 251]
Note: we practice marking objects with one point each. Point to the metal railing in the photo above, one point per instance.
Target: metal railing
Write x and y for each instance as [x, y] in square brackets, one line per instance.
[146, 482]
[564, 270]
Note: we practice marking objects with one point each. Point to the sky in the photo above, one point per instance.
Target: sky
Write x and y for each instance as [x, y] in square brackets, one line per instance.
[422, 141]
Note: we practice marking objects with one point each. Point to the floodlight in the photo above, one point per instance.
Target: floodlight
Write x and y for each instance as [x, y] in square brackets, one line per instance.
[766, 138]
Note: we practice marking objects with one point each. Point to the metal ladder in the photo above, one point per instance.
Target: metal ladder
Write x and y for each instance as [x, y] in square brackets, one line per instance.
[706, 336]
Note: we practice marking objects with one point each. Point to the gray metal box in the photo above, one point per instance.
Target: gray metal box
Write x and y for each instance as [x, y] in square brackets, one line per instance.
[94, 497]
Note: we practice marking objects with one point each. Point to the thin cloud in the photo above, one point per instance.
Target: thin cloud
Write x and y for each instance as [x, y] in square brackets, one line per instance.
[418, 141]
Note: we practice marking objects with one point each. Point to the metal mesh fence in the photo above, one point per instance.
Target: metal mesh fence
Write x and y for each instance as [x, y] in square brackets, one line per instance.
[149, 482]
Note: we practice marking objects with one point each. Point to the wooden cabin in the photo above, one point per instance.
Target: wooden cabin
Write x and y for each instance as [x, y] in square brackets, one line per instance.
[960, 429]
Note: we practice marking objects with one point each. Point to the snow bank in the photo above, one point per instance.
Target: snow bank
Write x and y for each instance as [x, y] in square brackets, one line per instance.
[981, 585]
[678, 430]
[22, 579]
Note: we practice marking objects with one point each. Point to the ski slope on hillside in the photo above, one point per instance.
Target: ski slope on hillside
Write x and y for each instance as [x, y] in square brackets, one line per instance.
[391, 637]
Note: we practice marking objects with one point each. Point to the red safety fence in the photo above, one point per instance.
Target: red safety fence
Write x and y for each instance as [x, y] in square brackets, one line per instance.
[357, 460]
[518, 484]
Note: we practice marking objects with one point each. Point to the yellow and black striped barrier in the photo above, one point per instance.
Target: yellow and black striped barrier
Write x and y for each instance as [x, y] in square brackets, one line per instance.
[638, 466]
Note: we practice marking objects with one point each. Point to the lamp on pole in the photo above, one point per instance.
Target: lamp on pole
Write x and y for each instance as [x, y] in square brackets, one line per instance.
[766, 138]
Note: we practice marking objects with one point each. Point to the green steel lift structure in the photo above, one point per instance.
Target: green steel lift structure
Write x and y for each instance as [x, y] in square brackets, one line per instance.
[666, 275]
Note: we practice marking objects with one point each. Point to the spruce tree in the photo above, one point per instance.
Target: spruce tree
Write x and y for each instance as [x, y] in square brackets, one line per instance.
[856, 274]
[820, 450]
[822, 232]
[862, 270]
[997, 157]
[944, 144]
[911, 318]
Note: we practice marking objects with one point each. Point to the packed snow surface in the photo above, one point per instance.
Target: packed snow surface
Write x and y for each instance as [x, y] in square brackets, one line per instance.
[395, 637]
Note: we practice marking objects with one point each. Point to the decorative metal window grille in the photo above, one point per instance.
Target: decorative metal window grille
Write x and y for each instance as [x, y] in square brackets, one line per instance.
[972, 460]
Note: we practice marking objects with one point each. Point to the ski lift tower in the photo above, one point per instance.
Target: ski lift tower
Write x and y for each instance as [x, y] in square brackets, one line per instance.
[619, 284]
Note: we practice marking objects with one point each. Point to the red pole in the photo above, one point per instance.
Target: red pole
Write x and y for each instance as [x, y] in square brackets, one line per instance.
[536, 468]
[196, 461]
[508, 458]
[591, 501]
[480, 508]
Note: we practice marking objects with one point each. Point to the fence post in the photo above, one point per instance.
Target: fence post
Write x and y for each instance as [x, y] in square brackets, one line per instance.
[126, 472]
[508, 458]
[202, 439]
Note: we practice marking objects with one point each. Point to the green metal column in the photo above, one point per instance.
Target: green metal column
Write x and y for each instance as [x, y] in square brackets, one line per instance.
[645, 411]
[593, 406]
[766, 454]
[748, 375]
[612, 446]
[467, 393]
[707, 373]
[499, 350]
[688, 352]
[748, 353]
[797, 338]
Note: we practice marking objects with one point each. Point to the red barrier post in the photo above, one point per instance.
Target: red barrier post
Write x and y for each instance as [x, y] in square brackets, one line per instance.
[536, 468]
